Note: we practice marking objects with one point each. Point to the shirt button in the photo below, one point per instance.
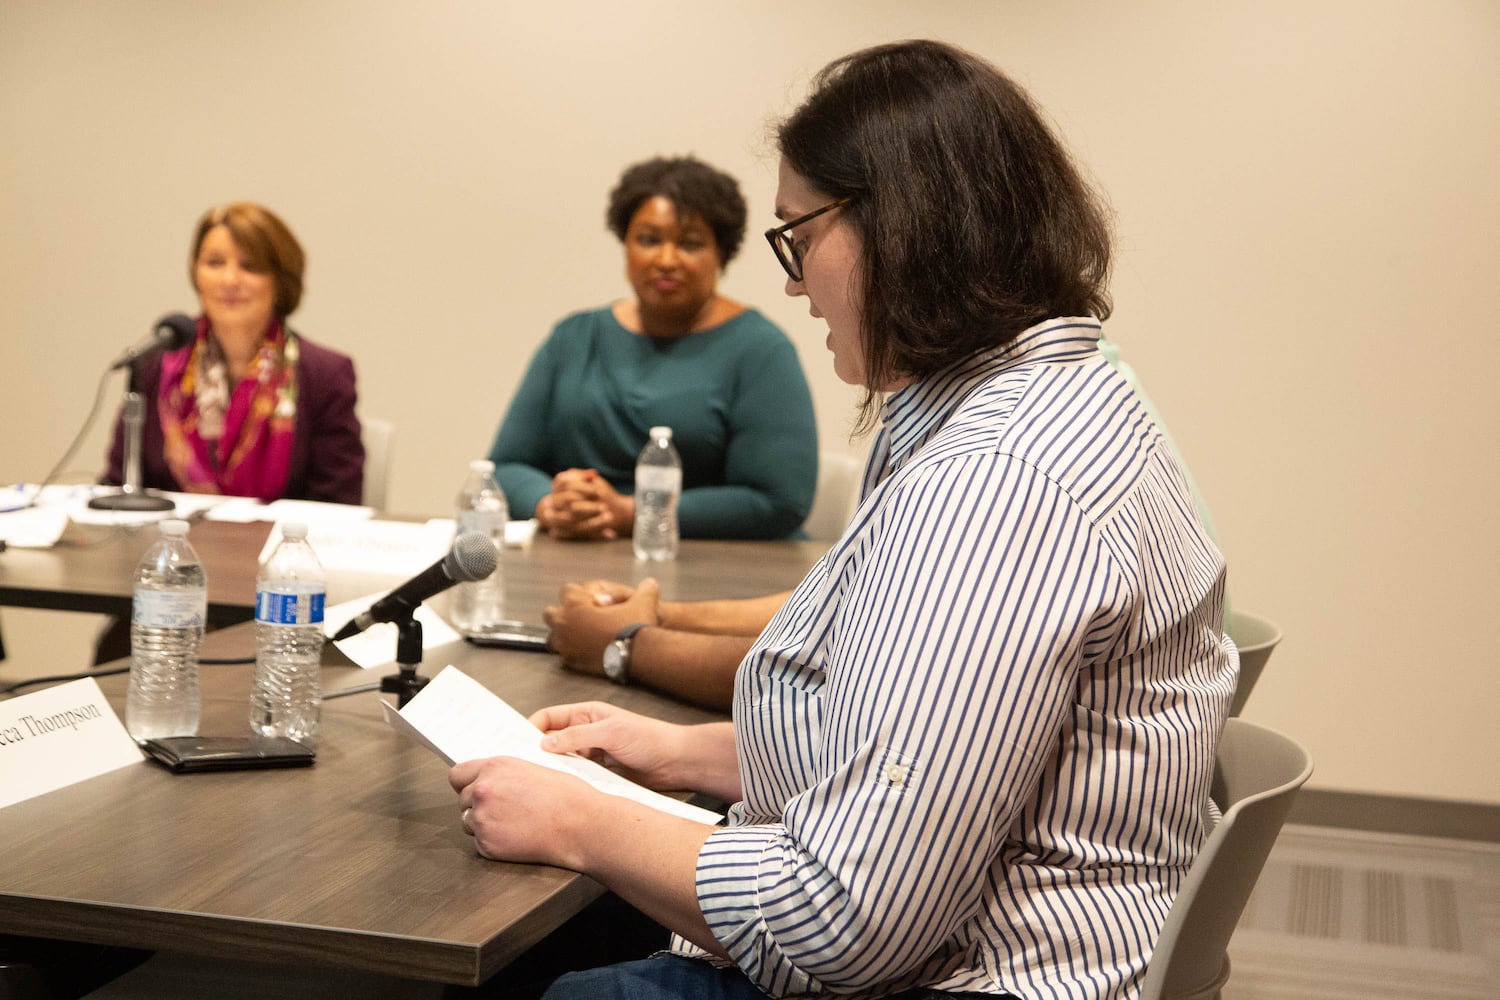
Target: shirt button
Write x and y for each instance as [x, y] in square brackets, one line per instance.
[895, 774]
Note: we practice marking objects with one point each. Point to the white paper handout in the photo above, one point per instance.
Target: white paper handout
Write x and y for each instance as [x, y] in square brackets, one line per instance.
[186, 506]
[38, 525]
[361, 545]
[518, 534]
[316, 511]
[32, 527]
[237, 510]
[459, 719]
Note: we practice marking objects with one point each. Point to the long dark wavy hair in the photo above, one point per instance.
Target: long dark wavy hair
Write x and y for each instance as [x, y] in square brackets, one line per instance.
[973, 220]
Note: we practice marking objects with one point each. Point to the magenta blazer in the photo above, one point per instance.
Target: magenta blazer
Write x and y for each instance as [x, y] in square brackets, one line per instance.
[328, 457]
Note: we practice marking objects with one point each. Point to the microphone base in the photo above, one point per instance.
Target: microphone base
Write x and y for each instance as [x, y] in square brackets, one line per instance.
[138, 502]
[404, 685]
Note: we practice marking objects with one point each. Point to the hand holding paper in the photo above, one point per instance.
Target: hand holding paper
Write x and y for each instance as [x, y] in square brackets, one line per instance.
[459, 720]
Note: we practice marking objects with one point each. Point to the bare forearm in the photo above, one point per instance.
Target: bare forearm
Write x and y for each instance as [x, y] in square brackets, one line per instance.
[691, 649]
[695, 666]
[654, 863]
[710, 762]
[746, 616]
[649, 859]
[517, 810]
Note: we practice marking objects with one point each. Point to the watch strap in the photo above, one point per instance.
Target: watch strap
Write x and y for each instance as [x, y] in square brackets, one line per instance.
[619, 672]
[628, 632]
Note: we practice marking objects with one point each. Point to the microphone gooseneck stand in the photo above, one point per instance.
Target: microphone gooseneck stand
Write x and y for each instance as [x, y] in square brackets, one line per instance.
[130, 496]
[407, 682]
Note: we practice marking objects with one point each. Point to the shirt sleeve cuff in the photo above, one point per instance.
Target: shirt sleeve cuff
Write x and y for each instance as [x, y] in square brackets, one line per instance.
[732, 866]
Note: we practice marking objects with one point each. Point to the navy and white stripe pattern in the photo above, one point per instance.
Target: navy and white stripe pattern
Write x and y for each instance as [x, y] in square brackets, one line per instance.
[976, 743]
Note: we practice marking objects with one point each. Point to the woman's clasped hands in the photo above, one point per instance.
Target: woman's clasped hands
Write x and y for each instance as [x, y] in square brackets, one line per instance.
[583, 504]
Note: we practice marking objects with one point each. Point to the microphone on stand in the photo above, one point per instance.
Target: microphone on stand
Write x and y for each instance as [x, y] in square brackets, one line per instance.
[473, 557]
[172, 332]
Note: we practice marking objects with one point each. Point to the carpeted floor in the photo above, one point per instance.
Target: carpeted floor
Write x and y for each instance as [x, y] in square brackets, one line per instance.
[1350, 915]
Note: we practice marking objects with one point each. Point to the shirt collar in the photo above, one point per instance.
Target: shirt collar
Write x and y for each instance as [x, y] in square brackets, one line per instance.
[914, 413]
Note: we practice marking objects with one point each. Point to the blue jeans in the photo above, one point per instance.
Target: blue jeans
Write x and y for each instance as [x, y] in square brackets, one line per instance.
[668, 976]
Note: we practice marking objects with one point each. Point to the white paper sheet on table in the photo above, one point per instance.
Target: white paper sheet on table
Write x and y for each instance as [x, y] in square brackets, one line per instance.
[237, 510]
[16, 496]
[316, 512]
[33, 527]
[460, 719]
[40, 526]
[518, 534]
[187, 504]
[391, 548]
[376, 645]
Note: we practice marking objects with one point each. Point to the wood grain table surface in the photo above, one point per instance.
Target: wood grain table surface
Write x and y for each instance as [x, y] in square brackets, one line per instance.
[357, 862]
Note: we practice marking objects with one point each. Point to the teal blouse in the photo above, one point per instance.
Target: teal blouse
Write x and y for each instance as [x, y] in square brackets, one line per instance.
[735, 397]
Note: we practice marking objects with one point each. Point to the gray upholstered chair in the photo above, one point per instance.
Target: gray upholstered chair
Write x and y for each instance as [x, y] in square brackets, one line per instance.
[379, 437]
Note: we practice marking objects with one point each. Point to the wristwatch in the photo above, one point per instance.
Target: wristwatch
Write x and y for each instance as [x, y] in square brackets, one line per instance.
[617, 654]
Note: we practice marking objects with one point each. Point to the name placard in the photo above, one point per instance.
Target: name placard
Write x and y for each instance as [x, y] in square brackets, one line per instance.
[58, 737]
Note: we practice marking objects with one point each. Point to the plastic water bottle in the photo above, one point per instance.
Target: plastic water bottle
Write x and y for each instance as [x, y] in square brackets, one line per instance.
[289, 593]
[481, 507]
[658, 484]
[167, 613]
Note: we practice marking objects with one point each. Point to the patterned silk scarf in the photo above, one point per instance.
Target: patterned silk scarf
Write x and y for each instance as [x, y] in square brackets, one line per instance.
[235, 443]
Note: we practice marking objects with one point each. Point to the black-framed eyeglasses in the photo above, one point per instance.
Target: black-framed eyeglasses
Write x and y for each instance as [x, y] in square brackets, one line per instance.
[785, 247]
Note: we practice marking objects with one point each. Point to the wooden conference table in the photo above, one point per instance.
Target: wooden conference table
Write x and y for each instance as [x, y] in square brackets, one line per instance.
[358, 862]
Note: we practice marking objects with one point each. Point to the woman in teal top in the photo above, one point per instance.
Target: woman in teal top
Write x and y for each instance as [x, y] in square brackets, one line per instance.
[721, 375]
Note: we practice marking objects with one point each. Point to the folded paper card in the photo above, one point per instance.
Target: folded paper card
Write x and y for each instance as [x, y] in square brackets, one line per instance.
[362, 545]
[518, 534]
[459, 719]
[58, 737]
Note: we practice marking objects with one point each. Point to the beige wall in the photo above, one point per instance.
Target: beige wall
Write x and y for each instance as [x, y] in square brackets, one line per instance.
[1309, 234]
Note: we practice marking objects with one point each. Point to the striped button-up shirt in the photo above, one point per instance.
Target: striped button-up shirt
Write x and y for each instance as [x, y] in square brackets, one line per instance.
[976, 742]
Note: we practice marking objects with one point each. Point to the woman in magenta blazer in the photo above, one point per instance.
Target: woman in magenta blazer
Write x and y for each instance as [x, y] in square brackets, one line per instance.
[249, 407]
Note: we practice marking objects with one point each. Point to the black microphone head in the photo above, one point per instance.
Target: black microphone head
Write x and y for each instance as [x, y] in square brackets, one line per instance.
[175, 331]
[473, 557]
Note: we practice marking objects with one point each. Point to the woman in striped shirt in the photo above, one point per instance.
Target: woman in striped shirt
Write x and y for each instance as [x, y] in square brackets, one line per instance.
[971, 753]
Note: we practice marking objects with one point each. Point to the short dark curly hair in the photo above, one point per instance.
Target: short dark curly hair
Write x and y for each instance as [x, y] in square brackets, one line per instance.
[693, 187]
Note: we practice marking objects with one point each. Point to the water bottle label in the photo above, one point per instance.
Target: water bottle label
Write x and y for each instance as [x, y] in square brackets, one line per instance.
[169, 608]
[280, 607]
[658, 478]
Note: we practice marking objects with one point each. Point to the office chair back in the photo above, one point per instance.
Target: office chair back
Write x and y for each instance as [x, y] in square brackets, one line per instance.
[1256, 637]
[1257, 774]
[836, 498]
[379, 437]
